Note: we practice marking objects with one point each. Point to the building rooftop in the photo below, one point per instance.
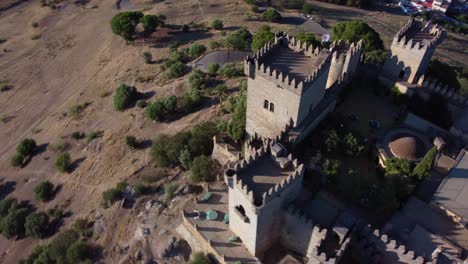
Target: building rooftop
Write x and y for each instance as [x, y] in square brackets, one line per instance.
[295, 64]
[453, 191]
[408, 147]
[265, 174]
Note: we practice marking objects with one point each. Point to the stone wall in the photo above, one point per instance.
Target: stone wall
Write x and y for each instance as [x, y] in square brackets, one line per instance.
[262, 121]
[410, 56]
[223, 152]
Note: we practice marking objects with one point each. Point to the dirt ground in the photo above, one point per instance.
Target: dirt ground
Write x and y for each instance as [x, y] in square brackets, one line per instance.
[71, 58]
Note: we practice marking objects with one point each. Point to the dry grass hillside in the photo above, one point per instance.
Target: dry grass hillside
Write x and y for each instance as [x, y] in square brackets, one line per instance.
[56, 59]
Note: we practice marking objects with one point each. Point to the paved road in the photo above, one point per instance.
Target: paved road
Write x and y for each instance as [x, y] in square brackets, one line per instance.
[220, 57]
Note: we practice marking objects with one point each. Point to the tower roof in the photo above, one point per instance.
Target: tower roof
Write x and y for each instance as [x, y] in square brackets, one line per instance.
[407, 147]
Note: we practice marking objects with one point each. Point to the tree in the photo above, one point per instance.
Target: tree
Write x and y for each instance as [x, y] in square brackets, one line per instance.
[424, 167]
[197, 79]
[169, 190]
[217, 24]
[158, 150]
[353, 31]
[57, 249]
[36, 224]
[196, 50]
[150, 23]
[262, 37]
[78, 252]
[26, 147]
[213, 68]
[63, 162]
[154, 111]
[176, 70]
[123, 24]
[239, 39]
[6, 204]
[200, 258]
[16, 160]
[332, 141]
[43, 191]
[124, 97]
[201, 140]
[376, 56]
[13, 224]
[230, 70]
[308, 38]
[397, 167]
[271, 15]
[202, 169]
[331, 168]
[185, 158]
[221, 92]
[351, 145]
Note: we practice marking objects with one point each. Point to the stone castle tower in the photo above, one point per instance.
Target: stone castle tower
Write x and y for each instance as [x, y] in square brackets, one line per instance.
[287, 80]
[259, 187]
[411, 51]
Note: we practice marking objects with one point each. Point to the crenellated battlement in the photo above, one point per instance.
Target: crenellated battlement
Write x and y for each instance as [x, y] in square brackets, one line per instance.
[256, 65]
[434, 86]
[374, 246]
[419, 38]
[239, 175]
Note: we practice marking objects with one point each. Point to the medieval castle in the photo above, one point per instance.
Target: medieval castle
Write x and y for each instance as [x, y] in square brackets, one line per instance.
[291, 88]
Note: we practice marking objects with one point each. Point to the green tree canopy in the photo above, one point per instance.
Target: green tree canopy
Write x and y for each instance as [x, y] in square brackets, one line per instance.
[124, 97]
[202, 169]
[151, 22]
[217, 24]
[43, 191]
[308, 38]
[397, 167]
[262, 37]
[26, 147]
[123, 24]
[356, 30]
[63, 162]
[36, 224]
[240, 39]
[424, 167]
[200, 258]
[271, 15]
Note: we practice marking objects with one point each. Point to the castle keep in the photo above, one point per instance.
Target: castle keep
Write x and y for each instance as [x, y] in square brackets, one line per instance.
[288, 80]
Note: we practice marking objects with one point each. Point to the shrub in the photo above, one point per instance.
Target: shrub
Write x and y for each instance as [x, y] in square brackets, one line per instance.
[78, 135]
[123, 24]
[215, 44]
[34, 24]
[111, 196]
[43, 191]
[185, 158]
[185, 28]
[13, 223]
[397, 167]
[36, 224]
[202, 169]
[213, 68]
[63, 162]
[262, 37]
[175, 70]
[424, 167]
[239, 39]
[169, 190]
[351, 145]
[26, 147]
[147, 57]
[230, 70]
[124, 97]
[154, 111]
[59, 147]
[132, 142]
[150, 23]
[83, 227]
[78, 252]
[197, 79]
[308, 38]
[76, 110]
[93, 135]
[17, 160]
[271, 15]
[57, 249]
[141, 103]
[353, 31]
[200, 258]
[217, 24]
[196, 50]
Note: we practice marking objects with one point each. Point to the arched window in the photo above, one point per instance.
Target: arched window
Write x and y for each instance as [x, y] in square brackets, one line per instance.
[272, 107]
[265, 104]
